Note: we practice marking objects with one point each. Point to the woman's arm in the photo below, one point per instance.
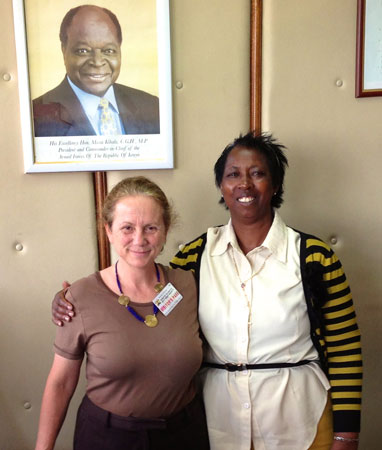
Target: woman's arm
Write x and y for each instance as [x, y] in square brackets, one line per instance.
[335, 334]
[62, 309]
[349, 441]
[60, 386]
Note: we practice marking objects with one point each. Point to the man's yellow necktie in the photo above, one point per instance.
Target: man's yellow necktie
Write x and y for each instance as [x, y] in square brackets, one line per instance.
[107, 123]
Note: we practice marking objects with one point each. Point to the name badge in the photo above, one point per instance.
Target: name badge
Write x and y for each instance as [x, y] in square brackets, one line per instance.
[167, 299]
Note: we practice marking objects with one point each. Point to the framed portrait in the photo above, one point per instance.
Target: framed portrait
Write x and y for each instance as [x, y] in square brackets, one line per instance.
[369, 49]
[94, 84]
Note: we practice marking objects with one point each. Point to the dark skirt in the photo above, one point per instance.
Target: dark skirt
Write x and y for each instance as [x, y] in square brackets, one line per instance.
[97, 429]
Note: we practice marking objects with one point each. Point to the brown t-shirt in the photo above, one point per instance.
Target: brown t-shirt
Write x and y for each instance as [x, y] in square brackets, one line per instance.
[131, 369]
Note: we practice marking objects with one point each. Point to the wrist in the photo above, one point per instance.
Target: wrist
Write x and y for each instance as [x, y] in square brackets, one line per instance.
[346, 437]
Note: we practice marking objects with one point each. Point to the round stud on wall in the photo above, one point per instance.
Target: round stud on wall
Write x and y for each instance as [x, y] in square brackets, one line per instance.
[339, 83]
[19, 247]
[179, 85]
[7, 77]
[333, 240]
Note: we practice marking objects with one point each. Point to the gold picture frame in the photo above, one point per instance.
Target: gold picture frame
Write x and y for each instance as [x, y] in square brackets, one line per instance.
[146, 58]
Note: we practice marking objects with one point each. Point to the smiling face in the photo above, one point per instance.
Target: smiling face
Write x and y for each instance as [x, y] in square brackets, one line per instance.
[247, 186]
[92, 54]
[138, 231]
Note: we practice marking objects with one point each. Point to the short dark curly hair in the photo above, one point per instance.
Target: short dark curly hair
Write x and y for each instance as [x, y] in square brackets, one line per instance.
[69, 16]
[273, 152]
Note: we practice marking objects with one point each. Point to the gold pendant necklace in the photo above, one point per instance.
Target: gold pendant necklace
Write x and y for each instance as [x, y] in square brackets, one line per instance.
[150, 320]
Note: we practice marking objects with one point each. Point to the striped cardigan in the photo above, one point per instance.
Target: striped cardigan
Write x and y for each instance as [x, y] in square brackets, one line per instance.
[334, 329]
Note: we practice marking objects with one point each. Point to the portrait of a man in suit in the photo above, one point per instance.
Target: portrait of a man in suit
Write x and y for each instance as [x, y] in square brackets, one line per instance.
[89, 101]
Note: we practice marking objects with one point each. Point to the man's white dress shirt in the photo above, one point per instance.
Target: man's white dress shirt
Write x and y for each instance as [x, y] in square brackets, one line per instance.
[90, 104]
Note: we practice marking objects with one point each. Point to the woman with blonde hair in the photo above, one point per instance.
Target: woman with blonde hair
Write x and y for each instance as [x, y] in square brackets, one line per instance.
[136, 321]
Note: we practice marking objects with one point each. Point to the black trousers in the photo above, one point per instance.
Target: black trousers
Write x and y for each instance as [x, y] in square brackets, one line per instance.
[97, 429]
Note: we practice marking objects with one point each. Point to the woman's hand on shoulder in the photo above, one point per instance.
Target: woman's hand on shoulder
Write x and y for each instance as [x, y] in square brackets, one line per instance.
[62, 309]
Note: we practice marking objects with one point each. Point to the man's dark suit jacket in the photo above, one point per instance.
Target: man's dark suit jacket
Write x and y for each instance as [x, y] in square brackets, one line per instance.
[59, 112]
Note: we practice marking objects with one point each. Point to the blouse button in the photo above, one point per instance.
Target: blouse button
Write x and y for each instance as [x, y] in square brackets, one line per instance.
[246, 405]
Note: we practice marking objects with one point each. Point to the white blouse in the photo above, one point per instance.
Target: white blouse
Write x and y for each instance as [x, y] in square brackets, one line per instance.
[267, 322]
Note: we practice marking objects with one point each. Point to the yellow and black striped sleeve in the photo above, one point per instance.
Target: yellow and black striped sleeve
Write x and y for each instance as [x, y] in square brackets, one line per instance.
[338, 335]
[190, 256]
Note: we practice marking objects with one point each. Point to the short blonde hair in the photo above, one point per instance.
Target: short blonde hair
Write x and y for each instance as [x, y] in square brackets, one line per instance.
[137, 186]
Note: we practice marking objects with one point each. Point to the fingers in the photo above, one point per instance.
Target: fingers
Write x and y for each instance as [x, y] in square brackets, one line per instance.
[62, 309]
[64, 304]
[57, 322]
[65, 285]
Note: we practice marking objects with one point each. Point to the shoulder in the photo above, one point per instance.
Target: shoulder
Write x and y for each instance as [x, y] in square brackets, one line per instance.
[314, 247]
[47, 105]
[85, 287]
[137, 94]
[200, 241]
[52, 95]
[195, 243]
[189, 253]
[217, 233]
[318, 260]
[179, 276]
[50, 110]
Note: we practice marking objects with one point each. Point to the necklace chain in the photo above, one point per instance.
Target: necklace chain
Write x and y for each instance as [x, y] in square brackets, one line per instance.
[151, 319]
[243, 283]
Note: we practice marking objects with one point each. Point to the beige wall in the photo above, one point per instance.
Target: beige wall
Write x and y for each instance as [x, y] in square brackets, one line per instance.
[332, 186]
